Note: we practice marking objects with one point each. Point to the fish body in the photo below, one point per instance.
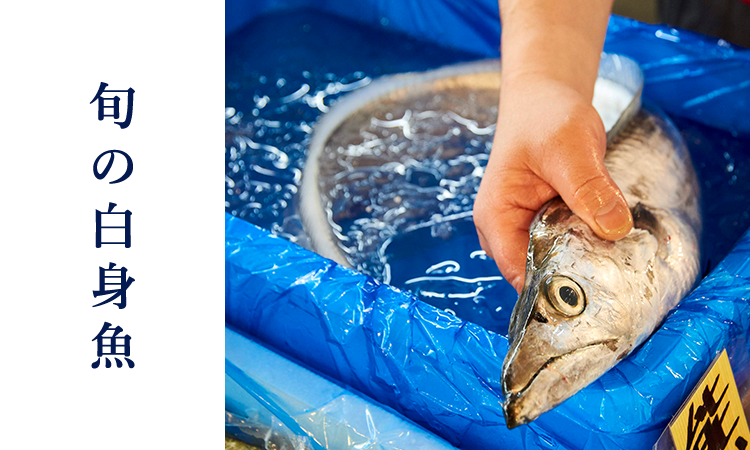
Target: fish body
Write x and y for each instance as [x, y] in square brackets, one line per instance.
[587, 302]
[408, 152]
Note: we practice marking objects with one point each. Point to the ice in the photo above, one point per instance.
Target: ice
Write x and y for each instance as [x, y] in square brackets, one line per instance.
[610, 100]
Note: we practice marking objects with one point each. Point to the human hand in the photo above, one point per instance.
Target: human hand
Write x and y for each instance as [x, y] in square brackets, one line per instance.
[549, 141]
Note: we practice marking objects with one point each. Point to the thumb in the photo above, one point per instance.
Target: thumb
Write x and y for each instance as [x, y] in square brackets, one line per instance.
[585, 186]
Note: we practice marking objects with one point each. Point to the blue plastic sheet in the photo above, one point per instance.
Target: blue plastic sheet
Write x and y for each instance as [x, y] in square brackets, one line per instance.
[687, 74]
[443, 372]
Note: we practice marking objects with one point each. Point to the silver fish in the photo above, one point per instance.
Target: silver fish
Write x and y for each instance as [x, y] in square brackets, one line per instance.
[587, 303]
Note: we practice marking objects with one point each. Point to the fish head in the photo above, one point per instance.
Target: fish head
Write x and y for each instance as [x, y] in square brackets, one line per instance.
[574, 318]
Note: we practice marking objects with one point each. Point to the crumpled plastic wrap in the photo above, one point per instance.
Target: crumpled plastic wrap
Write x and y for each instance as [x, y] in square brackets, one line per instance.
[445, 373]
[277, 404]
[260, 427]
[686, 74]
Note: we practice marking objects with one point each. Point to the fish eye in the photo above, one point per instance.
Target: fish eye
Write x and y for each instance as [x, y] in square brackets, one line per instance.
[565, 295]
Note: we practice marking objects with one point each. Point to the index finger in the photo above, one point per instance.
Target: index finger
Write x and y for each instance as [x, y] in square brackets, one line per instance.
[504, 236]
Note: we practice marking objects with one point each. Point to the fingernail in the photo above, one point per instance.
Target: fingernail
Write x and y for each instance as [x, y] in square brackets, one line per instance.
[613, 217]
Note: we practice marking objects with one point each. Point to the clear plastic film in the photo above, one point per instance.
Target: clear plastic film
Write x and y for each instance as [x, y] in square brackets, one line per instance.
[278, 405]
[261, 429]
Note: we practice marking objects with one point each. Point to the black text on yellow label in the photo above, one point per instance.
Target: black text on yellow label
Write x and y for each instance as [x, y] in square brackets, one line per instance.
[712, 418]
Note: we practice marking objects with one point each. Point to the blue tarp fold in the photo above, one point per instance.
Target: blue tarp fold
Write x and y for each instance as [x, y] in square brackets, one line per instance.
[445, 373]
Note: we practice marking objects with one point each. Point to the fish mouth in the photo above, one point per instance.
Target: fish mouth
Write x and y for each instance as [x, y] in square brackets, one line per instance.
[513, 404]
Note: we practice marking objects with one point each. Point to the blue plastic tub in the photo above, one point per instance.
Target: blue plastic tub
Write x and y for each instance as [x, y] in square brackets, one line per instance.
[443, 372]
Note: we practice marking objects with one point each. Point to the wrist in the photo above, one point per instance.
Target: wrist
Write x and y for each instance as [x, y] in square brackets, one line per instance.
[547, 64]
[550, 40]
[538, 91]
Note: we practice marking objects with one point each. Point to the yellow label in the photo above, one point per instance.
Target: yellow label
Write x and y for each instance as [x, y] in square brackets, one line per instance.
[712, 418]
